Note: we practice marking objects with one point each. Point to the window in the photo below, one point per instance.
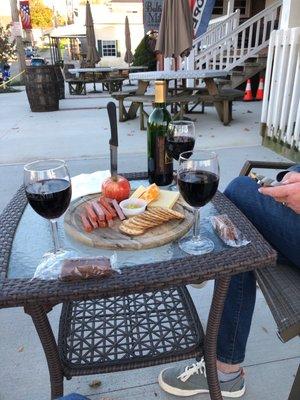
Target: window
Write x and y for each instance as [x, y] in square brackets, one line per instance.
[244, 6]
[109, 48]
[219, 8]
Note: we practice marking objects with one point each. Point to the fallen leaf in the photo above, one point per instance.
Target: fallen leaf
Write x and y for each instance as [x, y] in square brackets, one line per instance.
[20, 349]
[264, 329]
[95, 384]
[246, 129]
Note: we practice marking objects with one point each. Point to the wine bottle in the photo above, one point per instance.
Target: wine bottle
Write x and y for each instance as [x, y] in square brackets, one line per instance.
[160, 165]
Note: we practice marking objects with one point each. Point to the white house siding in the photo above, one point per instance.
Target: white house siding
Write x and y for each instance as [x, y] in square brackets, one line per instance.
[109, 23]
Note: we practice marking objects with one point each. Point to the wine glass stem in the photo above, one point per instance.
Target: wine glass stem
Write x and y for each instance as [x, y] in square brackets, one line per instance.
[196, 230]
[54, 230]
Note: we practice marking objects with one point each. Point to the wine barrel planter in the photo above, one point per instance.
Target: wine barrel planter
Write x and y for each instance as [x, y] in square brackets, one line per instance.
[42, 88]
[61, 81]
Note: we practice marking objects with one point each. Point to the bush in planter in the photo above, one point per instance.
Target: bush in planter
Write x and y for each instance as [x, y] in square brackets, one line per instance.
[145, 52]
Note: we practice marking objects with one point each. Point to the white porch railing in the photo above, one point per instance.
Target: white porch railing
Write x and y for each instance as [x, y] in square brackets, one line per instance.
[233, 48]
[281, 106]
[216, 30]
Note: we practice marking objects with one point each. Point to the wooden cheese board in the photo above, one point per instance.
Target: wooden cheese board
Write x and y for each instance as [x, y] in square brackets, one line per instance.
[113, 239]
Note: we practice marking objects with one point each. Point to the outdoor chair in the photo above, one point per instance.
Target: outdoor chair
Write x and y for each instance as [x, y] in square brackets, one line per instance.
[280, 286]
[76, 85]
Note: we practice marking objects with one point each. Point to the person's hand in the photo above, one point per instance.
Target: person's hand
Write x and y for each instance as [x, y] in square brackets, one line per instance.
[291, 177]
[287, 193]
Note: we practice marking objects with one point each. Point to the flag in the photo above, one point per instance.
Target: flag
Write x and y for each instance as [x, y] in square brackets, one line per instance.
[25, 14]
[202, 11]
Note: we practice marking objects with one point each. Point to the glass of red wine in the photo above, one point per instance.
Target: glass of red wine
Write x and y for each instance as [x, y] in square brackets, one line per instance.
[198, 179]
[48, 190]
[180, 138]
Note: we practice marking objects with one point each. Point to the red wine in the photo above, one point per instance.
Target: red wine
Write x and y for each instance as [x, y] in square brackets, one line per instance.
[179, 144]
[197, 187]
[50, 197]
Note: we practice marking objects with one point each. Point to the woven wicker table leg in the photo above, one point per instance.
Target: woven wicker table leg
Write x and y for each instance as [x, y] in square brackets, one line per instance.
[43, 328]
[211, 337]
[294, 394]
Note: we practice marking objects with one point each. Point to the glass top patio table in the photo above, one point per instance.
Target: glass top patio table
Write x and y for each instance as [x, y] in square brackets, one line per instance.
[25, 236]
[29, 238]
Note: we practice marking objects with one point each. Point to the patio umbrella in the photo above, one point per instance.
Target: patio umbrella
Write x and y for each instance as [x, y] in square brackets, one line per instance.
[175, 36]
[128, 55]
[92, 53]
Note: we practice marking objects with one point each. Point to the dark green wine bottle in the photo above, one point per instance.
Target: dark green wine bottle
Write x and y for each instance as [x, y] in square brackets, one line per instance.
[160, 165]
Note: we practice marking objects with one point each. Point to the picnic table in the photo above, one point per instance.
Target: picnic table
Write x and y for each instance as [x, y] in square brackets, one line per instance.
[110, 83]
[222, 100]
[141, 317]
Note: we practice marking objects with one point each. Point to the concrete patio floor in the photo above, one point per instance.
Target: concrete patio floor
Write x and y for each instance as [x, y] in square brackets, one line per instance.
[79, 133]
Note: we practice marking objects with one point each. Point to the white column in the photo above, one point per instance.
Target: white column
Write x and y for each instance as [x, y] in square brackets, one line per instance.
[230, 6]
[290, 14]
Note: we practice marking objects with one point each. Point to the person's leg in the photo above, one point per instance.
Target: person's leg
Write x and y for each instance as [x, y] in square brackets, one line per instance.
[281, 227]
[277, 223]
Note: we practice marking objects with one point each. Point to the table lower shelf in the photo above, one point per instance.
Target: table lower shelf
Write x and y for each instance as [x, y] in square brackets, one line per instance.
[127, 332]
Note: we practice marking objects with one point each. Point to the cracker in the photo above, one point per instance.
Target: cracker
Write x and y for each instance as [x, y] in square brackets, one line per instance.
[131, 231]
[167, 211]
[153, 216]
[162, 215]
[140, 224]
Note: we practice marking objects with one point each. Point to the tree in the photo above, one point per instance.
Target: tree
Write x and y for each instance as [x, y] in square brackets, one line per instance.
[7, 47]
[145, 53]
[41, 16]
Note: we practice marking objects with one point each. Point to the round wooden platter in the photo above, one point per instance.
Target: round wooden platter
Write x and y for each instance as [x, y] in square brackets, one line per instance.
[113, 239]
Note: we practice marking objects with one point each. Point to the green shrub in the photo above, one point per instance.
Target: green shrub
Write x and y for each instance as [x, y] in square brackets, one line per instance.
[144, 53]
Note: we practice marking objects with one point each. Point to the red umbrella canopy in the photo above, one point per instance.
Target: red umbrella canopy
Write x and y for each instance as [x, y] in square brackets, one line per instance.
[175, 36]
[92, 53]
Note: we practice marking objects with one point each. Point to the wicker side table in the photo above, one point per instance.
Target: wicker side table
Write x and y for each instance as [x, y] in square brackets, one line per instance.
[24, 238]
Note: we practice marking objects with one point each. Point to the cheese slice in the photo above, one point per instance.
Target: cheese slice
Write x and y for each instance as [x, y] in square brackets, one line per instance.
[166, 199]
[138, 192]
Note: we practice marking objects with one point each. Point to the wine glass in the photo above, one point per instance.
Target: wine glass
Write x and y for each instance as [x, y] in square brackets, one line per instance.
[180, 138]
[198, 179]
[48, 190]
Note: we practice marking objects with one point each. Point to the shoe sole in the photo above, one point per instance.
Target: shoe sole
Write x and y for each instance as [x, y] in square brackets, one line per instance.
[186, 393]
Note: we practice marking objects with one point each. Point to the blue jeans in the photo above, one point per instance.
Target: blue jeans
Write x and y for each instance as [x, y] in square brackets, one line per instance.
[281, 227]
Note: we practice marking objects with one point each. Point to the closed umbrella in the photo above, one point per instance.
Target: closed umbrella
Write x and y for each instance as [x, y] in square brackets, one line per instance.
[92, 53]
[128, 55]
[175, 36]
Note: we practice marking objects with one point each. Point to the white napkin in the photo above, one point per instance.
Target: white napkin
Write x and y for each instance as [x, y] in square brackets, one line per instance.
[88, 183]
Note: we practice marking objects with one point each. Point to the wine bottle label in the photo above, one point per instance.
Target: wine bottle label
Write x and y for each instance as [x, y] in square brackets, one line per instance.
[162, 159]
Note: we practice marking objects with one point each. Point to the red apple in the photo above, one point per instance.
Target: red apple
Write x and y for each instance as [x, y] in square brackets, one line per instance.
[117, 188]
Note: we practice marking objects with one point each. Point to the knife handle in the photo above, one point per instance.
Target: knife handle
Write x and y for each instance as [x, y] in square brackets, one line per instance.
[112, 114]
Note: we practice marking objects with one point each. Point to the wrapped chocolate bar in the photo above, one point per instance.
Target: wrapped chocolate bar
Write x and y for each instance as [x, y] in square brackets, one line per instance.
[227, 231]
[77, 269]
[85, 268]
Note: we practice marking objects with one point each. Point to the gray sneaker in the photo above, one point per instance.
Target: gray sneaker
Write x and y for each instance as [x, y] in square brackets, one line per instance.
[192, 380]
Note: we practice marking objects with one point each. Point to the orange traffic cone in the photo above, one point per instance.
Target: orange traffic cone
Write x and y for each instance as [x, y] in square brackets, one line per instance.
[248, 92]
[260, 90]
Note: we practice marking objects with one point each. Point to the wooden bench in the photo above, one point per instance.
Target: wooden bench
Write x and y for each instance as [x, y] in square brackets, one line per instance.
[280, 286]
[182, 100]
[112, 84]
[77, 86]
